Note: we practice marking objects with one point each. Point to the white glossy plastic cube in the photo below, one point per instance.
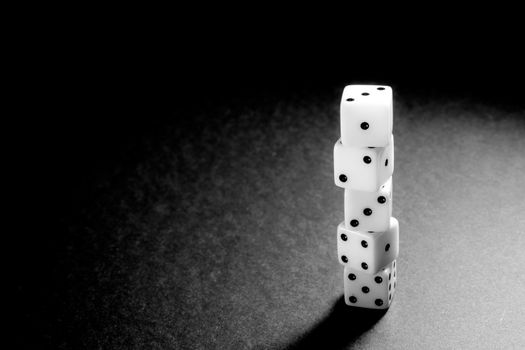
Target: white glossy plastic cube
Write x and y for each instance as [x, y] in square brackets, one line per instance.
[367, 251]
[363, 168]
[369, 211]
[366, 115]
[372, 291]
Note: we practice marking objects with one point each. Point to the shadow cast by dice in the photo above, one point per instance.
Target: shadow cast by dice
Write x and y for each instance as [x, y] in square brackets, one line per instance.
[341, 327]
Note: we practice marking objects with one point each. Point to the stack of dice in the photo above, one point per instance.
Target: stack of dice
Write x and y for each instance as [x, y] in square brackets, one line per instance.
[368, 239]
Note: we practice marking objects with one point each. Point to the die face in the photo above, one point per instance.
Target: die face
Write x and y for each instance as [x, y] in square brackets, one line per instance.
[366, 115]
[366, 290]
[361, 169]
[386, 162]
[367, 251]
[369, 211]
[393, 281]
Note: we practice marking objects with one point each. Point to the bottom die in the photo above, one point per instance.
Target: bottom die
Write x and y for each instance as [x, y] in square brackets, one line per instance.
[372, 291]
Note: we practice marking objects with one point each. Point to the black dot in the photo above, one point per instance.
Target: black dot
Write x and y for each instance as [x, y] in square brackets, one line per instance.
[364, 243]
[354, 223]
[387, 247]
[389, 296]
[386, 162]
[343, 237]
[379, 302]
[371, 147]
[364, 266]
[394, 274]
[365, 289]
[394, 284]
[367, 159]
[351, 277]
[342, 178]
[389, 286]
[381, 199]
[378, 279]
[380, 88]
[370, 231]
[353, 299]
[344, 259]
[367, 211]
[389, 276]
[394, 263]
[364, 125]
[365, 94]
[349, 99]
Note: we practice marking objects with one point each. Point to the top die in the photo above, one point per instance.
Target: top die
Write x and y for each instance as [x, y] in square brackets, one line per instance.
[366, 115]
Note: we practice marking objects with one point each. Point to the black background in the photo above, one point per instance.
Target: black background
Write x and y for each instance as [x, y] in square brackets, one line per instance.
[96, 98]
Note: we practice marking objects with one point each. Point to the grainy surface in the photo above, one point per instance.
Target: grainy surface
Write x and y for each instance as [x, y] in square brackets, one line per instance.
[223, 236]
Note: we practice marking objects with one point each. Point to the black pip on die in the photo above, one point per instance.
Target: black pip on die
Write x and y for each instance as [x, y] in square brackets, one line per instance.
[368, 238]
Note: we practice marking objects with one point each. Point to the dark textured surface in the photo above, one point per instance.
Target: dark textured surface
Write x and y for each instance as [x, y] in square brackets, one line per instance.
[222, 235]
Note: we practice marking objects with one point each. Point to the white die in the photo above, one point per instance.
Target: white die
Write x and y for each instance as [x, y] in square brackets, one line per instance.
[363, 168]
[369, 211]
[372, 291]
[366, 115]
[365, 251]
